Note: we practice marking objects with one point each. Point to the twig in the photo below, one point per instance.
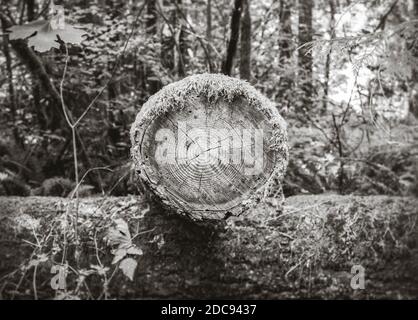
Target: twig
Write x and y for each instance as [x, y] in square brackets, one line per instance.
[383, 19]
[84, 176]
[35, 292]
[73, 133]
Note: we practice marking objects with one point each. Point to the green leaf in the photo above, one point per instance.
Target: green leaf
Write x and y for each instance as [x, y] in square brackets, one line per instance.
[26, 30]
[122, 251]
[128, 267]
[43, 34]
[119, 233]
[134, 251]
[119, 254]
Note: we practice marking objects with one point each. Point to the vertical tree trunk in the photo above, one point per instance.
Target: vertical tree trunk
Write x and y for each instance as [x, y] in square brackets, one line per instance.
[413, 104]
[305, 57]
[209, 35]
[11, 88]
[233, 39]
[36, 88]
[30, 9]
[328, 61]
[182, 36]
[168, 36]
[285, 49]
[245, 59]
[151, 28]
[173, 37]
[151, 17]
[209, 21]
[285, 36]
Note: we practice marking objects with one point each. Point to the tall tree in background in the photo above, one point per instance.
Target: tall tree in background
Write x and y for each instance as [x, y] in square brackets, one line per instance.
[31, 9]
[182, 38]
[11, 89]
[233, 39]
[168, 33]
[245, 58]
[413, 107]
[209, 34]
[286, 48]
[305, 57]
[39, 108]
[151, 30]
[173, 36]
[328, 61]
[151, 17]
[209, 21]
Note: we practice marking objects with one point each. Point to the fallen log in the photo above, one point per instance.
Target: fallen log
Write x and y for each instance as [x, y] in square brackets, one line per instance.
[306, 251]
[209, 146]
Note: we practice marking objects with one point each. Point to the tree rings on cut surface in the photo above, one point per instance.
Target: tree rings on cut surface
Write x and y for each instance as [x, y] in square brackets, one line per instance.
[209, 146]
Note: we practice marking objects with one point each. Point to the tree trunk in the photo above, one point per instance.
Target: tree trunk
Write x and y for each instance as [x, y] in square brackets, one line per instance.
[11, 89]
[31, 9]
[36, 88]
[6, 52]
[182, 39]
[307, 252]
[305, 57]
[286, 48]
[168, 35]
[413, 105]
[209, 35]
[245, 59]
[233, 39]
[285, 36]
[209, 21]
[151, 18]
[151, 27]
[173, 37]
[328, 60]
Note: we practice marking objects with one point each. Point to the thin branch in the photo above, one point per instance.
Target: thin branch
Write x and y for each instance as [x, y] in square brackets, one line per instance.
[383, 19]
[64, 108]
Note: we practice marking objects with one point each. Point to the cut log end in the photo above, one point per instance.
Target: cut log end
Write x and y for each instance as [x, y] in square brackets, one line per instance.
[208, 145]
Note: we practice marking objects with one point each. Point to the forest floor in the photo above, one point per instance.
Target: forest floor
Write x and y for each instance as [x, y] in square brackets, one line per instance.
[306, 251]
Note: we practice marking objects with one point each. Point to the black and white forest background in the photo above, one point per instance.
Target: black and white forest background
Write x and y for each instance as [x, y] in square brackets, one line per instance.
[208, 149]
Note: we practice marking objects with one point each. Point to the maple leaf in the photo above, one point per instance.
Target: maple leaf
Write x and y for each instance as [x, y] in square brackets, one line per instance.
[26, 30]
[43, 34]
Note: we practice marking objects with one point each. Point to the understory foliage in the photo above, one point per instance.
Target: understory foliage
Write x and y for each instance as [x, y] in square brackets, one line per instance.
[104, 233]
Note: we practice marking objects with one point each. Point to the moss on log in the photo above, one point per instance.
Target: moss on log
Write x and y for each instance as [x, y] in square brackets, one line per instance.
[210, 145]
[305, 251]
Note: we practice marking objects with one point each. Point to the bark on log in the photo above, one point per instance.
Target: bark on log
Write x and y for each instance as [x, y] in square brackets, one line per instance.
[210, 145]
[307, 251]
